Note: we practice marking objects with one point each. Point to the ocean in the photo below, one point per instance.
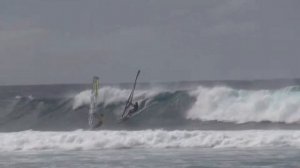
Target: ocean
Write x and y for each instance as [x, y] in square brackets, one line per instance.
[184, 124]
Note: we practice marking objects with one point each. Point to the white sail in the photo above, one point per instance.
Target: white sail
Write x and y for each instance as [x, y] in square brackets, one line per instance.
[93, 103]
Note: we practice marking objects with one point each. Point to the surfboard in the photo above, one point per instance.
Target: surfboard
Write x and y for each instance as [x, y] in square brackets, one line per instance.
[93, 104]
[130, 98]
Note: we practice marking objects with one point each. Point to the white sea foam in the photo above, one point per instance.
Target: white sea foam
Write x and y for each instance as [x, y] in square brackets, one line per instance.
[85, 140]
[240, 106]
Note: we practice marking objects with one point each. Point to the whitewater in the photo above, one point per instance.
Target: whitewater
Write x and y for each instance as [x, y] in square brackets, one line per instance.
[188, 124]
[98, 140]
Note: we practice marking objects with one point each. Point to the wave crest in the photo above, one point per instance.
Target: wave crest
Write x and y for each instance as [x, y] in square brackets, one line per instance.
[241, 106]
[109, 95]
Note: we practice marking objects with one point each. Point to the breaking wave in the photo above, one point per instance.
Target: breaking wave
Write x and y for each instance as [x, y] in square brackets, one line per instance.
[85, 140]
[187, 108]
[241, 106]
[110, 95]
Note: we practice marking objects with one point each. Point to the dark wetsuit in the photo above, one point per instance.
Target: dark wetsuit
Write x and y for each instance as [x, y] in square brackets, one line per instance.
[100, 120]
[135, 108]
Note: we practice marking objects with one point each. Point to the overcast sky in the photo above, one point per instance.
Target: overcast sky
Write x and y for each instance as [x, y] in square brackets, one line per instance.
[69, 41]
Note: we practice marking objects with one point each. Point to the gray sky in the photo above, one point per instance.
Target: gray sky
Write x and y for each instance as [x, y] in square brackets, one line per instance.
[69, 41]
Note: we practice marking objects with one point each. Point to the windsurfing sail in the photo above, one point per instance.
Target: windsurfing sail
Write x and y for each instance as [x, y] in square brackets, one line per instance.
[130, 98]
[93, 103]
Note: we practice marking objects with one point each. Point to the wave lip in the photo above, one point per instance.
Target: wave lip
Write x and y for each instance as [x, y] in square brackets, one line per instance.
[109, 95]
[85, 140]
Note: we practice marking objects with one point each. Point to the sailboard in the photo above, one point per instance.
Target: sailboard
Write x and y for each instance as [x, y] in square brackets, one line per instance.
[130, 98]
[93, 104]
[145, 108]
